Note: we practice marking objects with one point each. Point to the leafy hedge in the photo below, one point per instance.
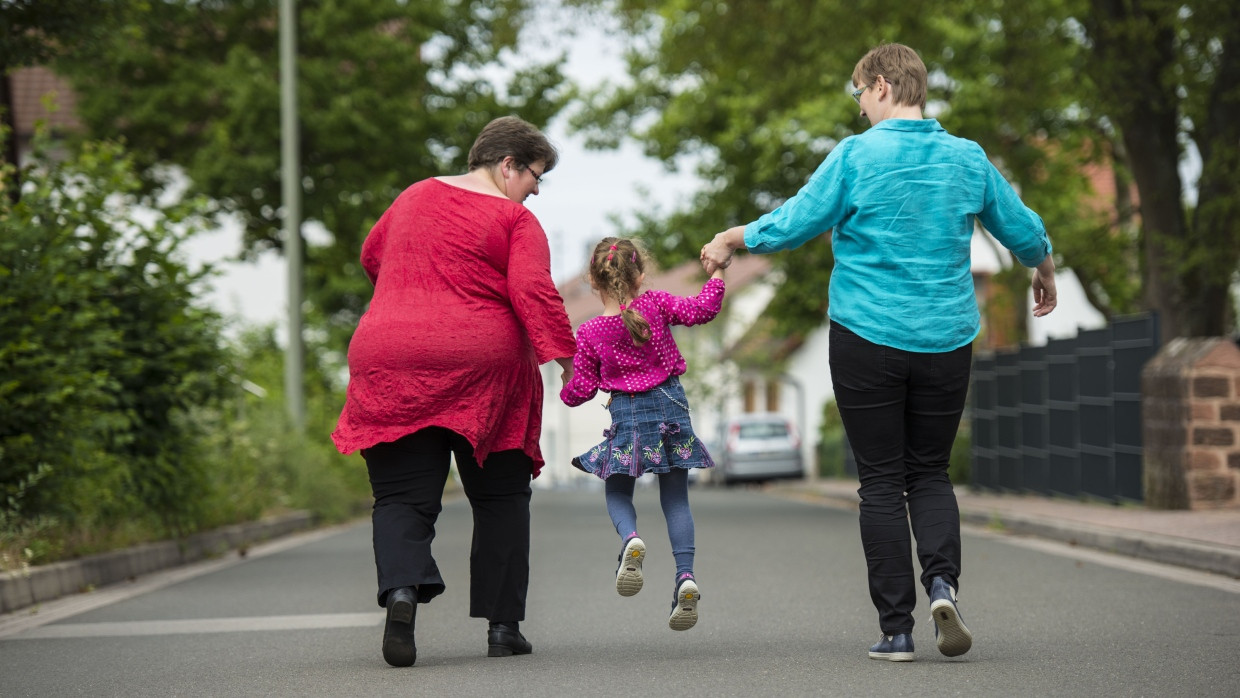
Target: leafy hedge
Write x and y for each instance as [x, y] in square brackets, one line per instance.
[122, 416]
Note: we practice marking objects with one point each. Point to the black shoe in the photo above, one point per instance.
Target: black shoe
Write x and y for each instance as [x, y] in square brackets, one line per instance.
[505, 640]
[398, 647]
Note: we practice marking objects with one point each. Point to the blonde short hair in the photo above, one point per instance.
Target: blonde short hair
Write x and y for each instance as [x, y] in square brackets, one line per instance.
[900, 66]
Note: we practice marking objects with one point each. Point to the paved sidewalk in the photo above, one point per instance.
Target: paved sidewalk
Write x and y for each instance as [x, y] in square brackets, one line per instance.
[1204, 540]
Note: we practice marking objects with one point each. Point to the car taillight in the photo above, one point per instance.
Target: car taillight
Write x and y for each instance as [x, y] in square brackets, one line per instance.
[734, 433]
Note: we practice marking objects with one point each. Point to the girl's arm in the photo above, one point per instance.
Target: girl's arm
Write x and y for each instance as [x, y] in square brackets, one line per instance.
[583, 377]
[693, 310]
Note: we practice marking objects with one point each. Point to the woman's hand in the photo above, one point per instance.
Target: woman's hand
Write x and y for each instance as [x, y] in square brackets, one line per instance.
[1045, 297]
[717, 254]
[566, 375]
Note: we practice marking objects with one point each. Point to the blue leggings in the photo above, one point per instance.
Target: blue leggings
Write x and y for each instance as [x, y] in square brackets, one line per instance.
[673, 497]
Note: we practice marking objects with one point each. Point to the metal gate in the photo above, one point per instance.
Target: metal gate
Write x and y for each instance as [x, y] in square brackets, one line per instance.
[1065, 418]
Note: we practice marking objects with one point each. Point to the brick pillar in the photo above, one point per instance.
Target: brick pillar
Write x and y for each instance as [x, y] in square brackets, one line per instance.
[1190, 406]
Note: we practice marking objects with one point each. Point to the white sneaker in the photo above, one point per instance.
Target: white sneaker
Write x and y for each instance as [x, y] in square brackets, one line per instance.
[684, 608]
[629, 572]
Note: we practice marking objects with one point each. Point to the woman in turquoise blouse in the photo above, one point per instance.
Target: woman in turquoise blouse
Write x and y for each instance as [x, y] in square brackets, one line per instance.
[901, 201]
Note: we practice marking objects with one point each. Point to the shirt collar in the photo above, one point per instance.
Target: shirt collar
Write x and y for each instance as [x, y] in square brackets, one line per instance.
[916, 125]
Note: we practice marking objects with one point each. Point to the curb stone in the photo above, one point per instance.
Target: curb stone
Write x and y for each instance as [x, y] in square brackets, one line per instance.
[44, 583]
[1143, 545]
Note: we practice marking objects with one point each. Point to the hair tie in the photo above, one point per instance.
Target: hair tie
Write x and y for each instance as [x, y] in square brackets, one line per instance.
[612, 247]
[622, 307]
[634, 259]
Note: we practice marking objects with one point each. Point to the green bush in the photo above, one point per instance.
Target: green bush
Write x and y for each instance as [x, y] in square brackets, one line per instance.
[123, 413]
[104, 350]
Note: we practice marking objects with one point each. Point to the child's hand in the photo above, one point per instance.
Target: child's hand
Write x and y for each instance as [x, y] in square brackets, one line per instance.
[717, 274]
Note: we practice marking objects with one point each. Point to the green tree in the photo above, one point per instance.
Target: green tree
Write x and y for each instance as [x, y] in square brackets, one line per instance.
[105, 350]
[1048, 87]
[389, 92]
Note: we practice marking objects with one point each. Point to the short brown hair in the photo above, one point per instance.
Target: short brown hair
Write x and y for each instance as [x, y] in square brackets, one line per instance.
[901, 66]
[511, 135]
[615, 269]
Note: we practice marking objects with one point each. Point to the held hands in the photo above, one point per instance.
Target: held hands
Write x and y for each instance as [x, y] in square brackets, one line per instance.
[566, 375]
[717, 254]
[1045, 297]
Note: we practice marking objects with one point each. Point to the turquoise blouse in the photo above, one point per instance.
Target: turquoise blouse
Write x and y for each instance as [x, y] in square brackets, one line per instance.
[900, 200]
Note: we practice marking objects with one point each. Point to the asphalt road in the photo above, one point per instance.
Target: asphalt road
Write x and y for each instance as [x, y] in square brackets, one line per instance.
[785, 611]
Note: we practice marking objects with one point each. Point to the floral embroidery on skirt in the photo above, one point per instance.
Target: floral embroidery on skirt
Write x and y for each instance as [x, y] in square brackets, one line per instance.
[650, 432]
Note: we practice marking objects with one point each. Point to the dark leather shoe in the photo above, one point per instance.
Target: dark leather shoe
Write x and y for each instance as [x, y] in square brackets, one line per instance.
[398, 647]
[505, 640]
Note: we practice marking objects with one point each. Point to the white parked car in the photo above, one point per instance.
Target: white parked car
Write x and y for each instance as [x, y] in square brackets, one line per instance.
[758, 447]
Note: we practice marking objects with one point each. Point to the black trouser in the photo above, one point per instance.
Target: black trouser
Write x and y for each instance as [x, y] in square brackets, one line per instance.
[407, 478]
[901, 411]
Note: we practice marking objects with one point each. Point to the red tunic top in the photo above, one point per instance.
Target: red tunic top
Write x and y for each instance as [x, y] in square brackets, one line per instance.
[464, 311]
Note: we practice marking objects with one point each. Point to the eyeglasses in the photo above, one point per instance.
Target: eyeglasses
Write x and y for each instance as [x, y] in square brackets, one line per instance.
[856, 94]
[537, 177]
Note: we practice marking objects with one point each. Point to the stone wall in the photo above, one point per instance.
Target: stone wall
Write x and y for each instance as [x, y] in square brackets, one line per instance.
[1191, 425]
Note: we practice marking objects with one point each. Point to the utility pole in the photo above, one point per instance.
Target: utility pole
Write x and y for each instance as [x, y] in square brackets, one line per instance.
[290, 161]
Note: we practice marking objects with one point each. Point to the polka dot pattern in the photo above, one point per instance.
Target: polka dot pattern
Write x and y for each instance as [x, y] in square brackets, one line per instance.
[608, 360]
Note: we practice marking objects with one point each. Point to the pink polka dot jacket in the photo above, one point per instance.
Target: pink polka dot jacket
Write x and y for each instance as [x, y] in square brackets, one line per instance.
[608, 360]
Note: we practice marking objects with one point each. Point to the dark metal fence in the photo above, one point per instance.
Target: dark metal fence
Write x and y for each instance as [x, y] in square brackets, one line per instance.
[1065, 418]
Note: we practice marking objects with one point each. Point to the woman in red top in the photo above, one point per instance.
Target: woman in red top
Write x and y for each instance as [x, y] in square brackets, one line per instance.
[445, 362]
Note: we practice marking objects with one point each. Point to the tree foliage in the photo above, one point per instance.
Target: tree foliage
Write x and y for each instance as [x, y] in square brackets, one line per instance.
[389, 92]
[1055, 90]
[105, 350]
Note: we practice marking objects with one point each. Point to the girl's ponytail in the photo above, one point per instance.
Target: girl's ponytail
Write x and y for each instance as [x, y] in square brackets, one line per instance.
[638, 327]
[616, 269]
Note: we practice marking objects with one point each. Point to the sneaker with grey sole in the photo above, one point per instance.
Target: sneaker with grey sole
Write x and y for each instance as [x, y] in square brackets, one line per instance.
[629, 573]
[950, 633]
[684, 607]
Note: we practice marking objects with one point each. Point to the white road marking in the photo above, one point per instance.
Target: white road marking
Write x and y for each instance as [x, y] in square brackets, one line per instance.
[203, 625]
[26, 619]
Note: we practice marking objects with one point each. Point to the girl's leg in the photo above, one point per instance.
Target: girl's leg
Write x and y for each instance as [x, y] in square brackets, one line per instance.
[674, 498]
[618, 490]
[619, 493]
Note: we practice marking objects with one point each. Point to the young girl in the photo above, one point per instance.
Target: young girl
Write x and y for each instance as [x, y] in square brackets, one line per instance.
[629, 351]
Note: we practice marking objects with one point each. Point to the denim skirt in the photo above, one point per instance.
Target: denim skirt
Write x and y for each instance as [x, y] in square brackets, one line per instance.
[650, 432]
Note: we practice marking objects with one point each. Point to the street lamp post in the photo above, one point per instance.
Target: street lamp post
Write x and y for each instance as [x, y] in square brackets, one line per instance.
[290, 162]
